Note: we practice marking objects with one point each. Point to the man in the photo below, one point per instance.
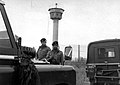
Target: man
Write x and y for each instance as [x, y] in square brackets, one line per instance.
[55, 56]
[43, 49]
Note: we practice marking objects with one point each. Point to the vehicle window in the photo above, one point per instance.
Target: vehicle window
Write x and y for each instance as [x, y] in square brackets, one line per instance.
[110, 52]
[101, 52]
[106, 52]
[4, 38]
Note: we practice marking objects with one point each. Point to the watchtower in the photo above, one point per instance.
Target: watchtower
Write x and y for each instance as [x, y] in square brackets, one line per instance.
[55, 15]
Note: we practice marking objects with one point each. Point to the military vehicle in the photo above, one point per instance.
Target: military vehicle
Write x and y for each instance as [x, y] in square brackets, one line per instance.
[103, 62]
[10, 59]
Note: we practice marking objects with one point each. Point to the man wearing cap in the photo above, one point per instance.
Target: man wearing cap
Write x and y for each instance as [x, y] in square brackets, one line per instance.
[55, 56]
[43, 49]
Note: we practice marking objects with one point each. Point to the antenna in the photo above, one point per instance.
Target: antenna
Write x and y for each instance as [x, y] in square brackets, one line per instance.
[48, 26]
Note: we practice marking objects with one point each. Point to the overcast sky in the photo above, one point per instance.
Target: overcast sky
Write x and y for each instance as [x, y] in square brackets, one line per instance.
[83, 20]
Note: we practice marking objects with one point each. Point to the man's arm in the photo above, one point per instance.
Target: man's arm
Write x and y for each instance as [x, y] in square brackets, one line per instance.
[48, 49]
[48, 57]
[61, 58]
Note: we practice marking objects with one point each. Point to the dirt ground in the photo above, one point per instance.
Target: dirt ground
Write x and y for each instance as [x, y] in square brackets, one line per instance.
[81, 78]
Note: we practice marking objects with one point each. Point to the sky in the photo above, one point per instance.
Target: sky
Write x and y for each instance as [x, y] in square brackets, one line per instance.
[83, 21]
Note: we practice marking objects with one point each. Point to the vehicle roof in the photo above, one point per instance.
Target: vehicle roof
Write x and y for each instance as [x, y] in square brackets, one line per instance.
[104, 41]
[92, 56]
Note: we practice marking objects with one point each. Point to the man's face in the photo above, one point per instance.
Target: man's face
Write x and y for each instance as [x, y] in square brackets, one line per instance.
[43, 43]
[55, 47]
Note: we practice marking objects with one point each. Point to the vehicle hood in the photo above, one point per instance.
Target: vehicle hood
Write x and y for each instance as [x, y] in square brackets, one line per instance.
[54, 67]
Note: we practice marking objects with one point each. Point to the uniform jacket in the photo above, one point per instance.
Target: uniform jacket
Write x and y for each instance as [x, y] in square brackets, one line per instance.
[55, 57]
[42, 52]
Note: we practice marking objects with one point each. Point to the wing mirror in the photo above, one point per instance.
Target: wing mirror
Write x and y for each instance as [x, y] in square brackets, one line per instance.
[68, 53]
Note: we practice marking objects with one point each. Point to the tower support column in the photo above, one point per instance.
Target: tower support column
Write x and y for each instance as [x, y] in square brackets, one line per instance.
[55, 30]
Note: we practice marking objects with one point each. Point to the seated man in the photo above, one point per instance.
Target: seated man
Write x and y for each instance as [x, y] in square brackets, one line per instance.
[55, 56]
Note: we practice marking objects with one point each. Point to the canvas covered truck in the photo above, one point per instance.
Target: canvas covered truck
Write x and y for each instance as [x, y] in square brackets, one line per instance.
[13, 69]
[103, 62]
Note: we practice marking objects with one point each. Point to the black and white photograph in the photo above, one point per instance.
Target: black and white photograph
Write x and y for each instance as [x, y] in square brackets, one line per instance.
[59, 42]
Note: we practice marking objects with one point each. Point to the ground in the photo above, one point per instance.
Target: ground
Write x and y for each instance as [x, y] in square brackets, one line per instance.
[81, 78]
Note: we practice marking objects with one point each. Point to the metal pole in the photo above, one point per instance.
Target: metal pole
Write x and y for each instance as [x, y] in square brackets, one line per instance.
[78, 53]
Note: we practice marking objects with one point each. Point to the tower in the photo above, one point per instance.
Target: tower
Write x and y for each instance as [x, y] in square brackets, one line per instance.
[55, 15]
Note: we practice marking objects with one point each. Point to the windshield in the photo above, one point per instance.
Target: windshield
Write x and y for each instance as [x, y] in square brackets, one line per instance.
[4, 38]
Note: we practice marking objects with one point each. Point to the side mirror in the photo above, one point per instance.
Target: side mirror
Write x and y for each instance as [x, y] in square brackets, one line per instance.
[68, 53]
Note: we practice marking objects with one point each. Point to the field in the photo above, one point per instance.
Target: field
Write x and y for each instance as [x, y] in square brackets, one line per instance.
[81, 78]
